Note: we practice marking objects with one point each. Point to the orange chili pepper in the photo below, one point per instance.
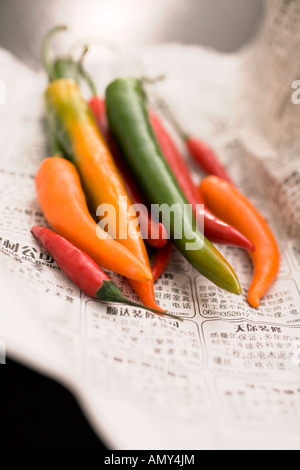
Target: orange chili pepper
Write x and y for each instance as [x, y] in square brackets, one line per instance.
[153, 232]
[76, 131]
[227, 202]
[63, 203]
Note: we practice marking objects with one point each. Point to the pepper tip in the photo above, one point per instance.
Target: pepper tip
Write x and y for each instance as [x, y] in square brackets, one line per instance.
[254, 301]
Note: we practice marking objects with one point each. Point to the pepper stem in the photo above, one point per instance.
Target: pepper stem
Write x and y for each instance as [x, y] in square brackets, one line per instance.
[109, 292]
[90, 82]
[170, 116]
[162, 105]
[45, 50]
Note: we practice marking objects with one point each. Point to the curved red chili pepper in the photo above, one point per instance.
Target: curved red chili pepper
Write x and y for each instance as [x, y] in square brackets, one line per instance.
[78, 266]
[202, 153]
[216, 230]
[82, 270]
[206, 158]
[153, 233]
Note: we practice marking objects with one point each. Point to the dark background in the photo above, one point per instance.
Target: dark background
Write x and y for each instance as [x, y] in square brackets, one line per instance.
[37, 412]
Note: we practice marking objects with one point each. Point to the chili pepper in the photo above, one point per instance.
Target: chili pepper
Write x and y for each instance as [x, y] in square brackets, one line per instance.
[82, 270]
[153, 233]
[73, 124]
[206, 158]
[129, 123]
[202, 153]
[161, 260]
[216, 230]
[63, 203]
[228, 202]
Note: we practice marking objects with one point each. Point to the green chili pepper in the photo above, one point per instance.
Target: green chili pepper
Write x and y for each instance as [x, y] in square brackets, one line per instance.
[129, 123]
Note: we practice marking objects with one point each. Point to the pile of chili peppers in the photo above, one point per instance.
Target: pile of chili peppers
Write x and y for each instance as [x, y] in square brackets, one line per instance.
[110, 149]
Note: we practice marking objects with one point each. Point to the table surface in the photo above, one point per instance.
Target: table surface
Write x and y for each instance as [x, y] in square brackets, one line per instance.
[41, 413]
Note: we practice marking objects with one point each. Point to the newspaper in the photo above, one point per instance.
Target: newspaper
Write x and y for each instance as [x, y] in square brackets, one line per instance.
[228, 376]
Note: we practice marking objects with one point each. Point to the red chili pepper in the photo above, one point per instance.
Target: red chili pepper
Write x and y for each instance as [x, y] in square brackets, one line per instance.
[80, 268]
[206, 158]
[216, 230]
[153, 233]
[161, 260]
[202, 153]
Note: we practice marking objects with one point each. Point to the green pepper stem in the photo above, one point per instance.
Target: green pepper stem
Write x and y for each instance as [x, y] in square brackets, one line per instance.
[109, 292]
[163, 106]
[45, 50]
[90, 82]
[170, 116]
